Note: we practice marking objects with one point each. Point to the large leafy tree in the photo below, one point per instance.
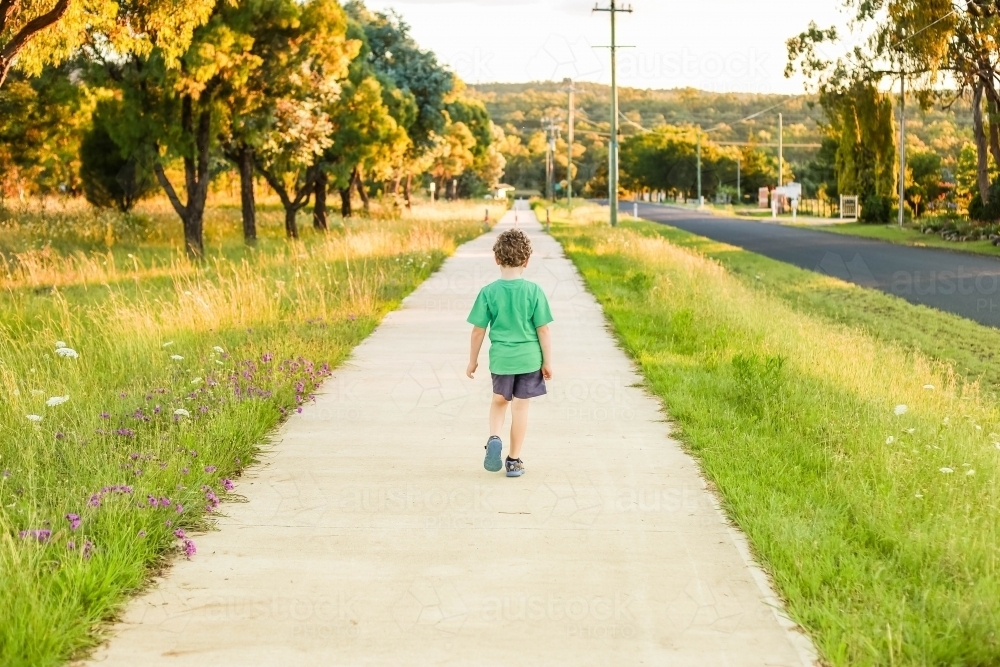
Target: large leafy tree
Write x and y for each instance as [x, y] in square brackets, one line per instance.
[172, 113]
[283, 113]
[35, 33]
[395, 57]
[942, 48]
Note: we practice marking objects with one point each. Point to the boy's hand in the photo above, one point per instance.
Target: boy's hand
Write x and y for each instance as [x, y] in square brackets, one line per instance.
[470, 371]
[546, 371]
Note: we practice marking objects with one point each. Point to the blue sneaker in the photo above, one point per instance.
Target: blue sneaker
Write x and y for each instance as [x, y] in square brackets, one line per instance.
[493, 447]
[515, 467]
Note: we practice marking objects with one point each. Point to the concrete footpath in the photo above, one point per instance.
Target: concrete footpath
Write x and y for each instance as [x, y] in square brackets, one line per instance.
[371, 535]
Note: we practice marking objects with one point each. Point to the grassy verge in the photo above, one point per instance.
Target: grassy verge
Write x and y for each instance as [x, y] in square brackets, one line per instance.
[863, 470]
[906, 236]
[136, 387]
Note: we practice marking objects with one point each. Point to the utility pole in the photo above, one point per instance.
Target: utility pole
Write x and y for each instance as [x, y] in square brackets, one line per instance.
[739, 193]
[781, 151]
[902, 143]
[552, 162]
[547, 125]
[569, 161]
[699, 167]
[614, 10]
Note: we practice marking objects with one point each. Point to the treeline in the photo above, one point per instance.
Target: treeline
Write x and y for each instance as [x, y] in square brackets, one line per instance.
[941, 151]
[313, 97]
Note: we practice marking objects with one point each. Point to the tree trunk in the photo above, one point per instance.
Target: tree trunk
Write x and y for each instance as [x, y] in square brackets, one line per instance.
[407, 191]
[196, 179]
[247, 200]
[360, 185]
[994, 125]
[345, 202]
[978, 131]
[319, 209]
[291, 229]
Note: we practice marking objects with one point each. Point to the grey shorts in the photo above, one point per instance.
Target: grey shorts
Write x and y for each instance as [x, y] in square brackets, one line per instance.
[522, 385]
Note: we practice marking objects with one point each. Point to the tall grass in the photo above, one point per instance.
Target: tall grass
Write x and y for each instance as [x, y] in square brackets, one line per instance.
[864, 472]
[114, 452]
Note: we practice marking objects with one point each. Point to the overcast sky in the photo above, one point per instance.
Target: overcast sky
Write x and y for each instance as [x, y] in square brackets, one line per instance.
[721, 45]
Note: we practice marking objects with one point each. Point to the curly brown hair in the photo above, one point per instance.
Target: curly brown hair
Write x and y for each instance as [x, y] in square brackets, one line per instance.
[512, 248]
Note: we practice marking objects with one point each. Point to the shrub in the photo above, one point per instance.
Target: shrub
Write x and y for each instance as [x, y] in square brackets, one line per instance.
[110, 180]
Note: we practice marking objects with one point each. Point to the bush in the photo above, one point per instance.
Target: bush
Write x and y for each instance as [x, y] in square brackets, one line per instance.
[876, 208]
[110, 180]
[989, 212]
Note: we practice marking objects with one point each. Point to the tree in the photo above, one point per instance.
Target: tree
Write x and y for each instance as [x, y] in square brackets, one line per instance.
[175, 112]
[280, 119]
[41, 121]
[36, 33]
[395, 56]
[110, 179]
[931, 41]
[923, 180]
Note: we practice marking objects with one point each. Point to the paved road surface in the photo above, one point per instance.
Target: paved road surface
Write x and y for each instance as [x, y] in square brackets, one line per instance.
[955, 282]
[372, 535]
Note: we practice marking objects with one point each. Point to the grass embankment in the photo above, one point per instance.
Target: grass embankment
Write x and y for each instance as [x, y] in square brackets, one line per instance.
[863, 470]
[913, 237]
[170, 379]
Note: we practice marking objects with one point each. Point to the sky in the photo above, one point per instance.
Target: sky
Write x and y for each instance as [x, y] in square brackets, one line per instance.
[719, 45]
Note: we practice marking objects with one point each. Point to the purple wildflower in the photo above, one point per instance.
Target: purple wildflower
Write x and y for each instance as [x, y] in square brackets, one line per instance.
[210, 468]
[60, 435]
[153, 502]
[134, 455]
[165, 502]
[189, 549]
[95, 500]
[71, 545]
[105, 415]
[267, 357]
[351, 317]
[227, 484]
[142, 533]
[40, 534]
[88, 549]
[180, 508]
[125, 432]
[74, 521]
[194, 453]
[6, 473]
[185, 471]
[299, 410]
[168, 523]
[179, 533]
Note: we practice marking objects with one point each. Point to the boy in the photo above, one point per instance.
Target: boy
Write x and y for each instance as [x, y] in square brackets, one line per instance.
[517, 314]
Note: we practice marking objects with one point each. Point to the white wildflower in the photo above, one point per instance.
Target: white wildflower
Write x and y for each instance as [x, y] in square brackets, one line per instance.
[219, 349]
[946, 471]
[919, 495]
[67, 353]
[929, 387]
[196, 380]
[37, 392]
[946, 421]
[900, 409]
[60, 344]
[56, 400]
[176, 357]
[181, 412]
[890, 440]
[978, 427]
[911, 431]
[34, 418]
[970, 471]
[168, 343]
[220, 362]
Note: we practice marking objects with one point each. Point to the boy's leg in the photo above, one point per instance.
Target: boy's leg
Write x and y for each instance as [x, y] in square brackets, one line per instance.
[518, 426]
[498, 413]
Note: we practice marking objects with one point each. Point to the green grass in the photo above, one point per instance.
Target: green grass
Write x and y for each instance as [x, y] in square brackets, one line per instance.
[235, 345]
[913, 237]
[790, 405]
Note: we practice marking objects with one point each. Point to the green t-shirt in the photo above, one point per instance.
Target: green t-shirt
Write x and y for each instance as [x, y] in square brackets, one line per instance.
[513, 310]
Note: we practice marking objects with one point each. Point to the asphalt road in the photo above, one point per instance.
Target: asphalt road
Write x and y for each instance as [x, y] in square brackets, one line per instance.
[955, 282]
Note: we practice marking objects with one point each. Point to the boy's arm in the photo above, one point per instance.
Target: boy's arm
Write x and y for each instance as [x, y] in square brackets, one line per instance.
[478, 334]
[545, 341]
